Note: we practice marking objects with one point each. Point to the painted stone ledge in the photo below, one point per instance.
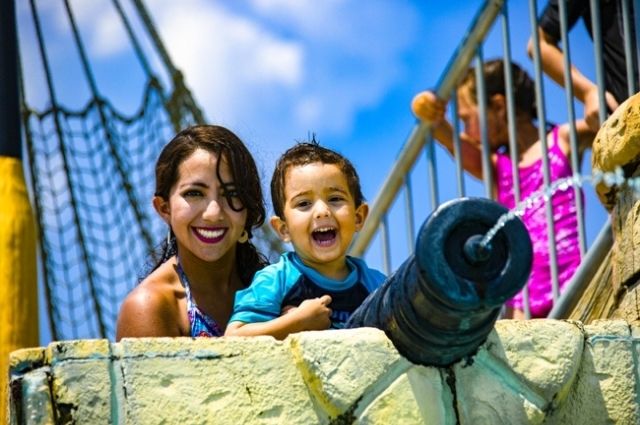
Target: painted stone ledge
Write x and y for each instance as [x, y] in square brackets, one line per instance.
[528, 372]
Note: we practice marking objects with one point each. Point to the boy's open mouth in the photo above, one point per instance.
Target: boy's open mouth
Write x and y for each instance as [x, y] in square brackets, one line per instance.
[324, 236]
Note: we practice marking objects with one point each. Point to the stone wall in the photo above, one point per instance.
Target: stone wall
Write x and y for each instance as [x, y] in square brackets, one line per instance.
[617, 146]
[527, 372]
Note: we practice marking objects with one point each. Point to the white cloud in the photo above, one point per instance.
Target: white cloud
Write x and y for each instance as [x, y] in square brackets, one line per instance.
[308, 110]
[276, 67]
[100, 27]
[109, 35]
[351, 25]
[281, 61]
[354, 54]
[230, 61]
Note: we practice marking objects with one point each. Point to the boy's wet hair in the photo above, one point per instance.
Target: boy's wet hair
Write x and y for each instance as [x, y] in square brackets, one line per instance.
[524, 95]
[307, 153]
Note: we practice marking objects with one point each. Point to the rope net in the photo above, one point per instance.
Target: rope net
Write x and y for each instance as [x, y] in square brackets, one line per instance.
[93, 187]
[92, 177]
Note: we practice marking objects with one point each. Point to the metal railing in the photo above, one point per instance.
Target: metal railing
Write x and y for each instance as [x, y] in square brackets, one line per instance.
[422, 131]
[470, 48]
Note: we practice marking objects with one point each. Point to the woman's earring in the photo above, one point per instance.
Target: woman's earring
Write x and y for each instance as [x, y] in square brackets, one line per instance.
[244, 237]
[169, 238]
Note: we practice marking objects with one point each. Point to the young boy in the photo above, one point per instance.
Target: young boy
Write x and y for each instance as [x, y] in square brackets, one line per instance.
[319, 206]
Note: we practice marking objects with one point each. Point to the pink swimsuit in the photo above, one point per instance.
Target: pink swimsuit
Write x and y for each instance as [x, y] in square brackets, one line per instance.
[565, 224]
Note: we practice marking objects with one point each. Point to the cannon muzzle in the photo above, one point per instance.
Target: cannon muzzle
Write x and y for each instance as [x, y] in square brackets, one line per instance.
[442, 302]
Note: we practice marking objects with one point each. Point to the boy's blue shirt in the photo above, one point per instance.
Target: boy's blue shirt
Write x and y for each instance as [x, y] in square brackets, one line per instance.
[289, 282]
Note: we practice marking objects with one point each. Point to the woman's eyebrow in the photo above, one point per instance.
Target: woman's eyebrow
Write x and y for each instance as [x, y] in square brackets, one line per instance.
[194, 183]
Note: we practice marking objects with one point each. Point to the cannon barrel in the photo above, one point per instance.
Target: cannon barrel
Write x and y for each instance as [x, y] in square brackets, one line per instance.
[442, 302]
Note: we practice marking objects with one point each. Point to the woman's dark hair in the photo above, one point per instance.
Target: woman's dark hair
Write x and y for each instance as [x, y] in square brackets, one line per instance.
[524, 94]
[223, 143]
[308, 153]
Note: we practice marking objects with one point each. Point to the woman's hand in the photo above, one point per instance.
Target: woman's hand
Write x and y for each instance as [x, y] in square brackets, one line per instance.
[427, 107]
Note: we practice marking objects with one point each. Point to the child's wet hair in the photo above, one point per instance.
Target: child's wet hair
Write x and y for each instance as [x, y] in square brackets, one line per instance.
[523, 86]
[308, 153]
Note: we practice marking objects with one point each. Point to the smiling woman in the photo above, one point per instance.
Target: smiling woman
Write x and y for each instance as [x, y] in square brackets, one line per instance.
[209, 193]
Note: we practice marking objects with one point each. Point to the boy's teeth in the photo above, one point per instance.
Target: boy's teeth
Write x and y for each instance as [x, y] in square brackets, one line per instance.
[324, 234]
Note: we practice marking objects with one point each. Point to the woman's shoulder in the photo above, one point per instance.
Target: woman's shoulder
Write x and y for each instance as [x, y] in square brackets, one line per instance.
[162, 285]
[151, 308]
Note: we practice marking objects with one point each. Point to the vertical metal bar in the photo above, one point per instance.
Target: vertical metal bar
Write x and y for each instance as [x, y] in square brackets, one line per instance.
[553, 262]
[386, 250]
[596, 31]
[457, 148]
[629, 41]
[408, 211]
[487, 168]
[511, 110]
[467, 48]
[511, 124]
[432, 172]
[584, 274]
[573, 135]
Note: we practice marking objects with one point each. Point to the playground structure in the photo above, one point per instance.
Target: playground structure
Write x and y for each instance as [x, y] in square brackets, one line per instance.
[526, 372]
[85, 275]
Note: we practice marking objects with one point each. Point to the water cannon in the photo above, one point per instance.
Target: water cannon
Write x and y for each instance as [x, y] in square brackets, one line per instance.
[442, 302]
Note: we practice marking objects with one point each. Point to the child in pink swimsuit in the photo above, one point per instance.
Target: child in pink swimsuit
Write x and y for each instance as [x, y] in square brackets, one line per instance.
[565, 220]
[428, 107]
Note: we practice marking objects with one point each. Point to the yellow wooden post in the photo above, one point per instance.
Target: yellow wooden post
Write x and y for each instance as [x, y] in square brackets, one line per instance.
[18, 275]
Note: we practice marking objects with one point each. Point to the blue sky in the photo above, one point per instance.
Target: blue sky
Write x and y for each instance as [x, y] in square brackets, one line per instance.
[275, 71]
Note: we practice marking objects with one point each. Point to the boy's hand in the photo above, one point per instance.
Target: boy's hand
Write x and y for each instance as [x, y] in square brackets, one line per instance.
[288, 309]
[427, 107]
[314, 314]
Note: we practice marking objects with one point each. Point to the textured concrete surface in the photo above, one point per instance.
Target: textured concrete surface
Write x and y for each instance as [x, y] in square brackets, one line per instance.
[527, 372]
[617, 145]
